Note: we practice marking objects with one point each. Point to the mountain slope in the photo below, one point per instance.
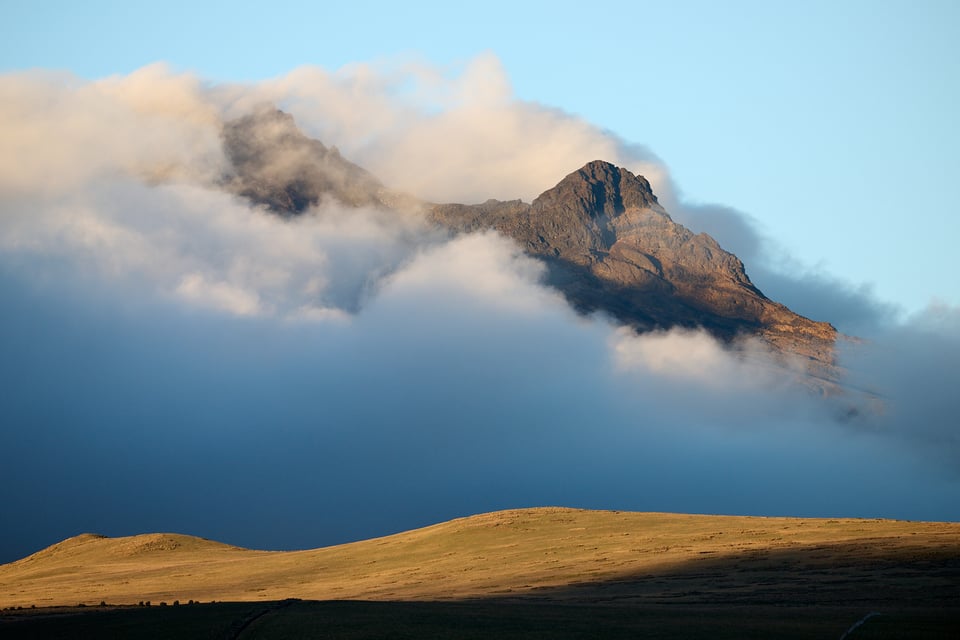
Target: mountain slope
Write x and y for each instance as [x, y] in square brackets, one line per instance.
[611, 247]
[608, 244]
[550, 554]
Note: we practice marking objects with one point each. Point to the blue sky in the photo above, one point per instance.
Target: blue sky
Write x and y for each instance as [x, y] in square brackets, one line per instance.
[832, 125]
[199, 366]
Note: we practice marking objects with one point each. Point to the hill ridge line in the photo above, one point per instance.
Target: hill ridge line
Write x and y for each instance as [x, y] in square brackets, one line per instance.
[534, 553]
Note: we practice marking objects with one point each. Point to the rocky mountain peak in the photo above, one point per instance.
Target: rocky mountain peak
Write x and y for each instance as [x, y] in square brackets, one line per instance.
[610, 247]
[607, 243]
[601, 189]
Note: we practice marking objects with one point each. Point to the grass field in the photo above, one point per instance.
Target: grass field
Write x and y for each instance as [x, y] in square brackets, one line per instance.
[547, 572]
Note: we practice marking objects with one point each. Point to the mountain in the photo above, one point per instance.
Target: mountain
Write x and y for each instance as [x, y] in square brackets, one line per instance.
[611, 247]
[608, 244]
[277, 166]
[539, 555]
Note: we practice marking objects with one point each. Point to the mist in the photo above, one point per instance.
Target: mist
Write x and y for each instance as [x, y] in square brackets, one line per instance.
[176, 359]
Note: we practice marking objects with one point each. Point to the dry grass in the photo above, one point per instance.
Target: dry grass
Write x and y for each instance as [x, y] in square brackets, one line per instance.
[551, 554]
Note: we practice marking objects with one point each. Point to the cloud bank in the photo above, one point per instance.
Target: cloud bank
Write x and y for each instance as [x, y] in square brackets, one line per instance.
[177, 359]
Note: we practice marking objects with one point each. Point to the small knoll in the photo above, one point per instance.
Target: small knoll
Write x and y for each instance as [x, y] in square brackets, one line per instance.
[87, 561]
[543, 554]
[100, 547]
[70, 546]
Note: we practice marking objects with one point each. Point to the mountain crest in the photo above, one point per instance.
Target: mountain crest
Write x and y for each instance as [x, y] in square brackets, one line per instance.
[608, 244]
[602, 189]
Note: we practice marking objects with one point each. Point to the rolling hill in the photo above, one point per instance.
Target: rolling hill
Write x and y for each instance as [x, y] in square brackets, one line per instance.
[552, 555]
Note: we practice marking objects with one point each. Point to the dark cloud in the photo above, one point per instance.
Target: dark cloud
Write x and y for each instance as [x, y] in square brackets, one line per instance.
[913, 365]
[439, 400]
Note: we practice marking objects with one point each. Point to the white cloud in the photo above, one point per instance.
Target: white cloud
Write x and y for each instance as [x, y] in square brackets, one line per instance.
[692, 355]
[482, 268]
[443, 135]
[58, 132]
[219, 295]
[208, 248]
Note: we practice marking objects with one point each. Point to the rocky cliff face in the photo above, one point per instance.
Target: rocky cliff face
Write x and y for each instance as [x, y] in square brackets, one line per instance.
[608, 244]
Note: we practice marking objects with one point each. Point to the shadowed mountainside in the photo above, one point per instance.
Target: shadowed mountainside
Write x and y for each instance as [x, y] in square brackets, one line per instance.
[537, 555]
[608, 244]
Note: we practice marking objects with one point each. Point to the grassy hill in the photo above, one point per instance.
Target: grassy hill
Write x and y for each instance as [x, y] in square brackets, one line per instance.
[534, 555]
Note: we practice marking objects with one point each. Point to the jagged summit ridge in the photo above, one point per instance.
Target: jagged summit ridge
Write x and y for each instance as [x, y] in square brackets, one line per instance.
[607, 242]
[600, 189]
[612, 247]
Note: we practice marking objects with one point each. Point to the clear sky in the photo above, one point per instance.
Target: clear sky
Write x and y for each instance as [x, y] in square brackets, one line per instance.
[833, 125]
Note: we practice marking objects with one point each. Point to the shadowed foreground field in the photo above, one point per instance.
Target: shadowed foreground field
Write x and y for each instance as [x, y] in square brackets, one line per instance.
[557, 573]
[472, 620]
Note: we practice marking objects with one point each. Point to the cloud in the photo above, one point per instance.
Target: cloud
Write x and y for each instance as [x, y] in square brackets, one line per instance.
[209, 249]
[190, 362]
[679, 353]
[454, 390]
[444, 135]
[913, 367]
[482, 268]
[218, 295]
[59, 132]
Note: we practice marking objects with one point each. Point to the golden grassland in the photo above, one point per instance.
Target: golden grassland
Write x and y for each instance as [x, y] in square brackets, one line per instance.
[554, 555]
